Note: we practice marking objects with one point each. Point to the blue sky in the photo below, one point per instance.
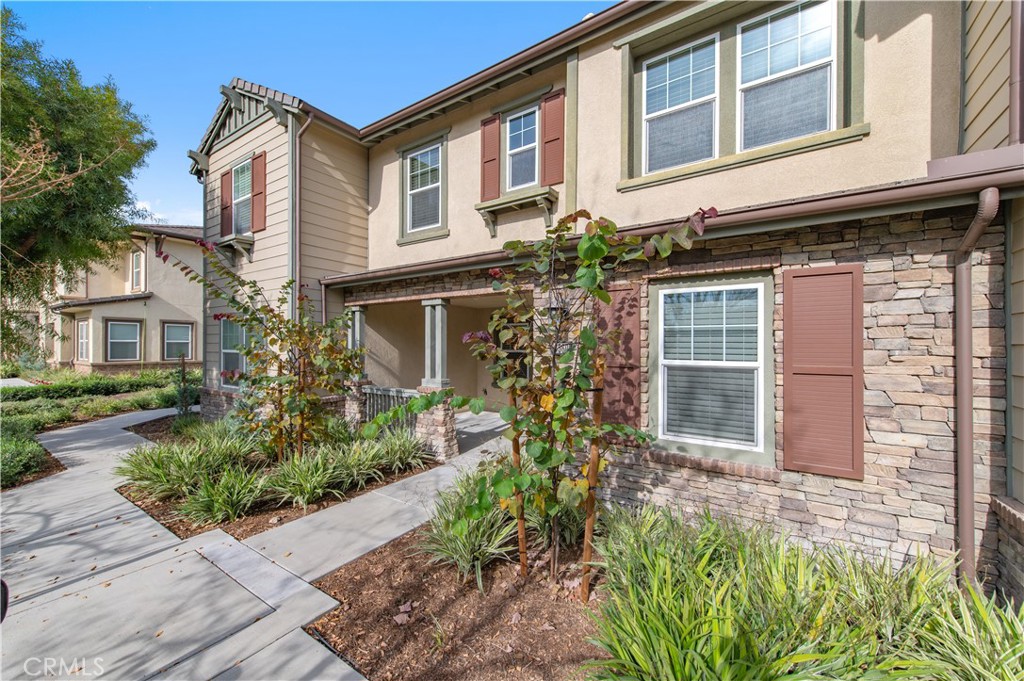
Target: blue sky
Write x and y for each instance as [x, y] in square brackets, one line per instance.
[356, 60]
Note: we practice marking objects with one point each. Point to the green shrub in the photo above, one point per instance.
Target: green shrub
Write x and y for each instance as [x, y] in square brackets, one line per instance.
[337, 433]
[402, 451]
[361, 462]
[19, 456]
[175, 470]
[9, 370]
[469, 545]
[63, 384]
[305, 480]
[27, 425]
[224, 497]
[572, 520]
[183, 425]
[709, 598]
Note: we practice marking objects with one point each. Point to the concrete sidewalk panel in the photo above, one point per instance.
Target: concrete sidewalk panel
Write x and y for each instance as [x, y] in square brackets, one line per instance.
[292, 657]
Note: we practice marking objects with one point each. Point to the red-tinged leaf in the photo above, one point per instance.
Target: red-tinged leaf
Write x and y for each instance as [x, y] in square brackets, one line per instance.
[697, 222]
[405, 607]
[710, 212]
[402, 618]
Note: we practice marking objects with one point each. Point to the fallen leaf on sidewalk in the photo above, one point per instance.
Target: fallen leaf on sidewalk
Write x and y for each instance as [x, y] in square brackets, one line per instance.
[159, 633]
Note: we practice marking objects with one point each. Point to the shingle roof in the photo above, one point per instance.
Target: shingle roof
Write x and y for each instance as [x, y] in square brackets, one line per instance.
[179, 231]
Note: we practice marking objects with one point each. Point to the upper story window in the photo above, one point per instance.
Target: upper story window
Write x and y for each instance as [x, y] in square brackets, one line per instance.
[787, 74]
[679, 112]
[423, 189]
[136, 260]
[241, 198]
[522, 160]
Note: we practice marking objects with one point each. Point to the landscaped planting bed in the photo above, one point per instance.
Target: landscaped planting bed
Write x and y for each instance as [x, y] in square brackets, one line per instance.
[201, 475]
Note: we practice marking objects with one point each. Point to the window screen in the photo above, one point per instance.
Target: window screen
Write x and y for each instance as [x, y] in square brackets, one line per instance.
[711, 365]
[679, 107]
[786, 65]
[424, 193]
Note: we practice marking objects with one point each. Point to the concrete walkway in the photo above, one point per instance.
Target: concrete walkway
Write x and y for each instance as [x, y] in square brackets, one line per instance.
[98, 585]
[13, 383]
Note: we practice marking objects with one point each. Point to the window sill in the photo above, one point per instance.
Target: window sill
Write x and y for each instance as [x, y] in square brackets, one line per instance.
[237, 244]
[822, 140]
[544, 197]
[722, 466]
[423, 235]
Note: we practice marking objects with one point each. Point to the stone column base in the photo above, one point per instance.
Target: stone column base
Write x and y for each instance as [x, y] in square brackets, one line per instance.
[436, 427]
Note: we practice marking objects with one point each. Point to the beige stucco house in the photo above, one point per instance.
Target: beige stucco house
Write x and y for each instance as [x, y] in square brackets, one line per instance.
[841, 353]
[140, 313]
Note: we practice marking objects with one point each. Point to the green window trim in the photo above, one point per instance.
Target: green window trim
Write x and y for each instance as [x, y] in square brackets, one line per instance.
[763, 452]
[724, 19]
[406, 234]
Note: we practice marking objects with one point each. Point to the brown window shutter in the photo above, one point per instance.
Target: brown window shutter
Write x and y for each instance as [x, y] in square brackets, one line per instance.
[259, 192]
[490, 161]
[552, 135]
[225, 204]
[622, 373]
[823, 370]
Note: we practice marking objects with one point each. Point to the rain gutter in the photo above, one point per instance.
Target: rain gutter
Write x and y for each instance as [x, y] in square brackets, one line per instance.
[963, 351]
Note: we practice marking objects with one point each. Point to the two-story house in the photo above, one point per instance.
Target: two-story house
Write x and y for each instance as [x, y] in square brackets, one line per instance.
[840, 353]
[139, 313]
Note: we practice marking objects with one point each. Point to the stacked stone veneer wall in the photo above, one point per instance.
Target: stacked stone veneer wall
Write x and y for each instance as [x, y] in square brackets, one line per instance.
[906, 502]
[1010, 514]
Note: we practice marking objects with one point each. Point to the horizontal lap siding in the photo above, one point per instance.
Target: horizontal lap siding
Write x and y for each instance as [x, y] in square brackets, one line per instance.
[270, 256]
[334, 209]
[987, 68]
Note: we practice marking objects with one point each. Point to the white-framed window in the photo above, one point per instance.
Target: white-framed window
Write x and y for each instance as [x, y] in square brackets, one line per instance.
[522, 160]
[787, 74]
[82, 340]
[680, 98]
[241, 198]
[123, 341]
[177, 341]
[712, 375]
[232, 339]
[136, 261]
[423, 188]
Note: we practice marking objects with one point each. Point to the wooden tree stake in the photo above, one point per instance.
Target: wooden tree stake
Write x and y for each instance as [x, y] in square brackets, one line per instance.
[592, 471]
[521, 512]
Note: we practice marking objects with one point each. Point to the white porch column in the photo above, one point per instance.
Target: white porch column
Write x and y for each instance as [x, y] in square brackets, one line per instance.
[435, 345]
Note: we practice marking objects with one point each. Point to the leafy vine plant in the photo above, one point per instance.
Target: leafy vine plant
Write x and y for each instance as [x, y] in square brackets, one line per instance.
[544, 348]
[291, 363]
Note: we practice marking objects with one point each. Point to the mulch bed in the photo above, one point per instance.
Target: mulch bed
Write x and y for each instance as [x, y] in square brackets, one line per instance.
[402, 618]
[51, 466]
[264, 516]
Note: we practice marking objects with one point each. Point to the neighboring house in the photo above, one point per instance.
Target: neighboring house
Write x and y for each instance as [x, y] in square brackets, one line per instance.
[833, 355]
[140, 314]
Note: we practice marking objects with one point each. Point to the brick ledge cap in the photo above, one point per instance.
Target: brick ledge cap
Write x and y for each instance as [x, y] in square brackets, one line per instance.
[1010, 511]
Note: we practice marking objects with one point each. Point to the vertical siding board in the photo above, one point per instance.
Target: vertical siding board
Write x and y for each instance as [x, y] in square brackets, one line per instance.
[823, 370]
[490, 158]
[622, 373]
[259, 192]
[225, 203]
[552, 159]
[986, 68]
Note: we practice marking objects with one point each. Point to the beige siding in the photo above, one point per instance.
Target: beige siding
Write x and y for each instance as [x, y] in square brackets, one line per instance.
[269, 265]
[1016, 473]
[986, 114]
[334, 210]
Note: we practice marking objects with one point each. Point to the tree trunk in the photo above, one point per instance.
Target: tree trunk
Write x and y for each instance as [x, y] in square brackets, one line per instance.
[592, 471]
[521, 512]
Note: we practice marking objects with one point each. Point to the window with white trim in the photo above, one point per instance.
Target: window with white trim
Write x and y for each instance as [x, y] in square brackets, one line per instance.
[82, 339]
[123, 341]
[137, 260]
[711, 369]
[241, 198]
[787, 74]
[423, 188]
[522, 160]
[232, 362]
[680, 94]
[177, 341]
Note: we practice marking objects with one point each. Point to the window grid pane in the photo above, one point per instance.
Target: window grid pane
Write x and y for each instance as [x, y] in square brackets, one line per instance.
[242, 177]
[786, 41]
[680, 78]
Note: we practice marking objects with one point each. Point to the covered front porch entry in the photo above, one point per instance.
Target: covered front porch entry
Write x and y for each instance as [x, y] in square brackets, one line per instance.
[418, 344]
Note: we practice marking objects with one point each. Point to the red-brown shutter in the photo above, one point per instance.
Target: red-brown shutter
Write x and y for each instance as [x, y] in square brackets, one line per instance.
[225, 204]
[552, 136]
[259, 192]
[823, 370]
[622, 373]
[490, 158]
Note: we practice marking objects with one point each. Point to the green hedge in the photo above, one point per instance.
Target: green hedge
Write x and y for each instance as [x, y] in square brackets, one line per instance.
[19, 456]
[88, 385]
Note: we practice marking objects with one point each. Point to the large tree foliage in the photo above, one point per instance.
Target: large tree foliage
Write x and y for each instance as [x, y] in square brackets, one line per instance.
[69, 151]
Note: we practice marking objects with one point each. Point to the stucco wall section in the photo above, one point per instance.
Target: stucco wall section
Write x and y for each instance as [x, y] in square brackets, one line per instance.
[333, 209]
[269, 265]
[986, 75]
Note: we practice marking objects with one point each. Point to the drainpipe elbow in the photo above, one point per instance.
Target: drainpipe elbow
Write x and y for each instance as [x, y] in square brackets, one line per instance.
[988, 204]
